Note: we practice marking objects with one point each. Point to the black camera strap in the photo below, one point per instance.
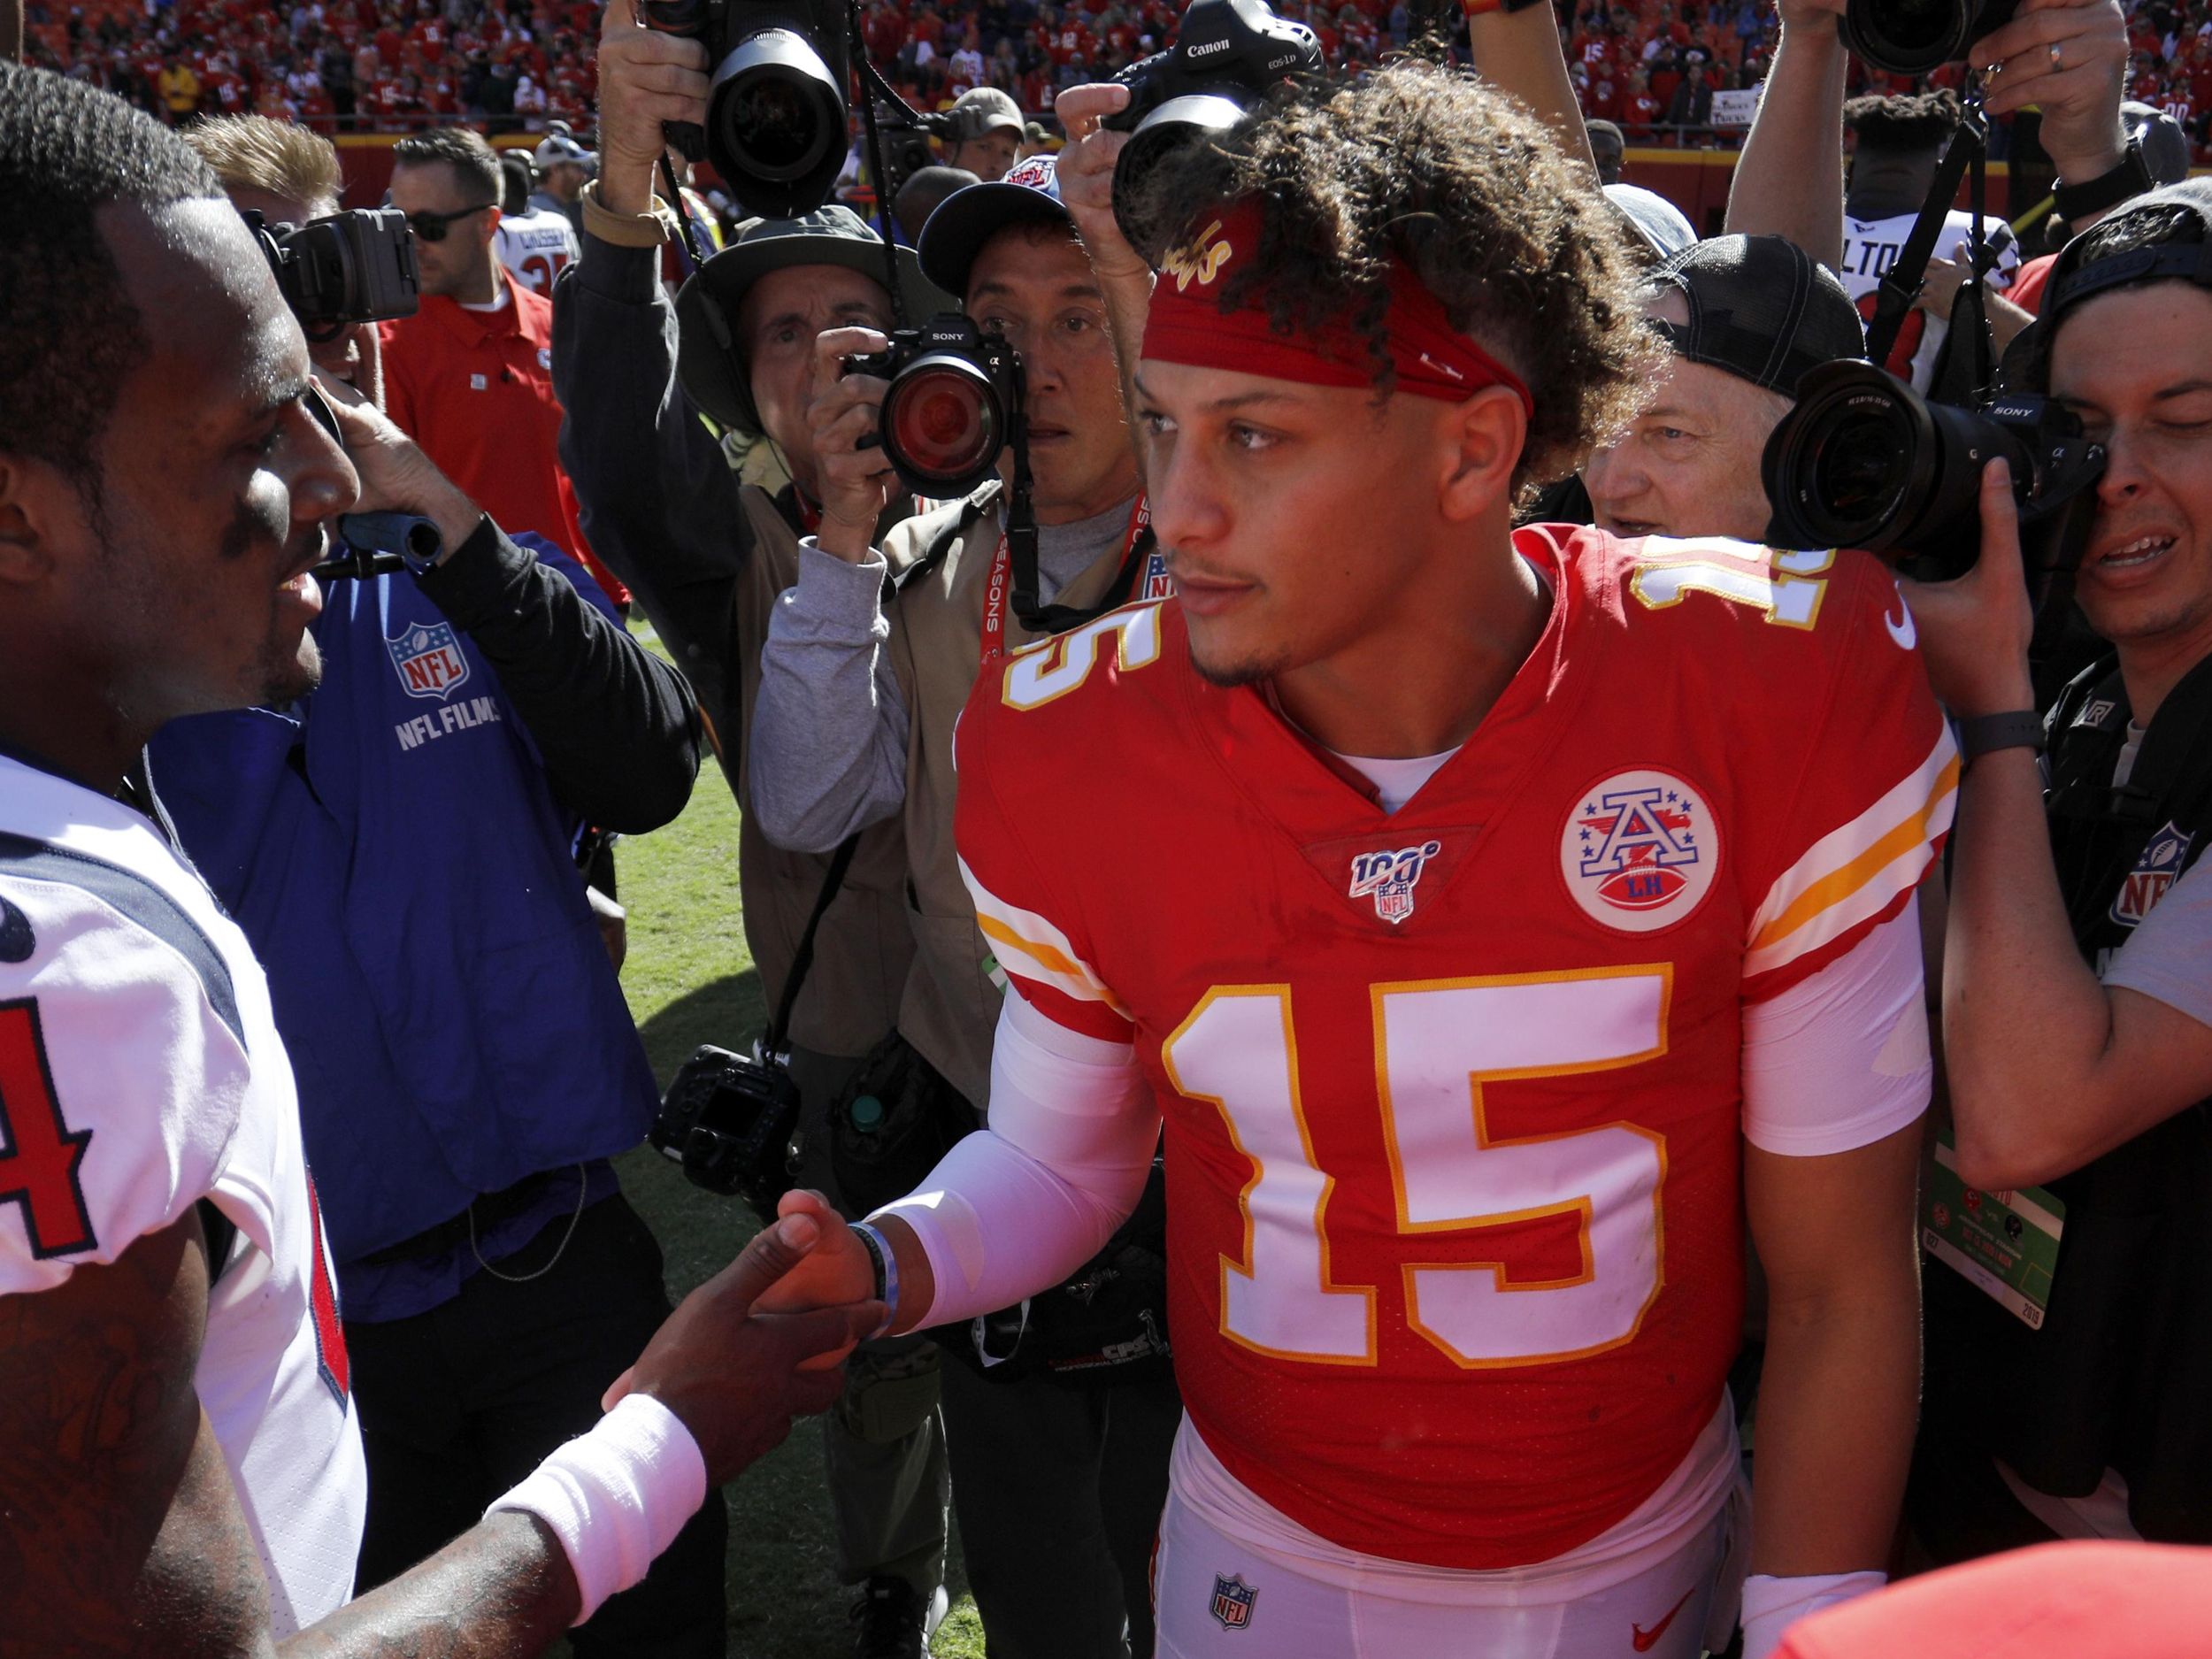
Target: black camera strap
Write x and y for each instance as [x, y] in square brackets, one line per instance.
[1900, 286]
[775, 1040]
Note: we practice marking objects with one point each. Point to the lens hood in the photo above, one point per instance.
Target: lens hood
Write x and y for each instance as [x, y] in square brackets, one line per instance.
[776, 124]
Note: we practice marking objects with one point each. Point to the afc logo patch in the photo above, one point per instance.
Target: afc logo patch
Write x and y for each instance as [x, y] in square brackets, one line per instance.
[428, 657]
[2153, 873]
[1233, 1601]
[1391, 876]
[1639, 851]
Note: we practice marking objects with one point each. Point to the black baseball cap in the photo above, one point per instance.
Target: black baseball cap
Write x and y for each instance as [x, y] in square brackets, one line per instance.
[964, 220]
[1762, 307]
[709, 360]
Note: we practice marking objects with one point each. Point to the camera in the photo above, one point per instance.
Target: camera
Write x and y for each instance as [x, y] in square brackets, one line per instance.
[1228, 54]
[955, 401]
[357, 266]
[1911, 37]
[729, 1120]
[1864, 461]
[776, 110]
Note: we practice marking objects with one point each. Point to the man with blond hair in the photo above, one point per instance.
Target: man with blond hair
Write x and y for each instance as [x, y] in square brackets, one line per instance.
[290, 175]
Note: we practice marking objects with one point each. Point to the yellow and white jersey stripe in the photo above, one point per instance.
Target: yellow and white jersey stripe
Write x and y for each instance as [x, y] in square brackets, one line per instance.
[1856, 874]
[1033, 949]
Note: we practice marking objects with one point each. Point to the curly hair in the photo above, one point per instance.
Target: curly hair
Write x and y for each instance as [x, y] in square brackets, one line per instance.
[1905, 123]
[1428, 165]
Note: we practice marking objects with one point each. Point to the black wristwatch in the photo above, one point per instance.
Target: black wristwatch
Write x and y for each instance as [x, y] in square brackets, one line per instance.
[2131, 177]
[2020, 728]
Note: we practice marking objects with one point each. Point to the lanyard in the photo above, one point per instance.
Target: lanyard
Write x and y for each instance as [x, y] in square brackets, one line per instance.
[997, 586]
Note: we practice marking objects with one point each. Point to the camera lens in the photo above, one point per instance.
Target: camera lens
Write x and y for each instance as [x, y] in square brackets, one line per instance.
[1911, 37]
[1857, 469]
[776, 125]
[773, 121]
[941, 424]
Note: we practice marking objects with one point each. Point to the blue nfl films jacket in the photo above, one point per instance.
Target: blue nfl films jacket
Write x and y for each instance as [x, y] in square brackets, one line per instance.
[394, 850]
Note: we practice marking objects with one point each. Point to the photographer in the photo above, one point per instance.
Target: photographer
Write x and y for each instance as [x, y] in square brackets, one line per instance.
[460, 1111]
[706, 555]
[180, 1468]
[1744, 318]
[983, 133]
[2078, 987]
[1057, 1485]
[2077, 958]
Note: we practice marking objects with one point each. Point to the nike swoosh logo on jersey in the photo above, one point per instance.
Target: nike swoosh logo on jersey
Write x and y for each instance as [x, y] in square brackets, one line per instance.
[1899, 626]
[1645, 1640]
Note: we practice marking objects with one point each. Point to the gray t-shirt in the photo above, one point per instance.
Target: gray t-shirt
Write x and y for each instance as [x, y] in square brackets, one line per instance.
[2169, 957]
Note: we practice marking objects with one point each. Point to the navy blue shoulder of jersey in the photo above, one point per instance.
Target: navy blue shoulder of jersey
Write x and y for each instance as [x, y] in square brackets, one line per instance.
[142, 901]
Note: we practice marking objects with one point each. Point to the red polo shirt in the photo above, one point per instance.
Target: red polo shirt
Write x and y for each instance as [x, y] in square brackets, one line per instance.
[475, 389]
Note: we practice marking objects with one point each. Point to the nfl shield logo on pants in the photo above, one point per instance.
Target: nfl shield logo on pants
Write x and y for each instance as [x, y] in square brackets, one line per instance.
[1233, 1601]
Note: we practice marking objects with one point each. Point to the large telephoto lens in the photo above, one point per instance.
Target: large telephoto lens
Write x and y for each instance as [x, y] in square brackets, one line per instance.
[776, 125]
[1864, 461]
[1911, 37]
[943, 426]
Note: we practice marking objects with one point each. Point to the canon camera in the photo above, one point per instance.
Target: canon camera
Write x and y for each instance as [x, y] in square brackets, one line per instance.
[729, 1119]
[1911, 37]
[1228, 54]
[776, 110]
[955, 404]
[1864, 461]
[357, 266]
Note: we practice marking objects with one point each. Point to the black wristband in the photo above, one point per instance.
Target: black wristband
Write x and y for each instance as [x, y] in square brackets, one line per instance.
[2110, 188]
[2020, 728]
[867, 1237]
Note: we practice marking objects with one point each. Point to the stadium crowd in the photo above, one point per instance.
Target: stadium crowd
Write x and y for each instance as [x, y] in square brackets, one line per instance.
[396, 65]
[1336, 689]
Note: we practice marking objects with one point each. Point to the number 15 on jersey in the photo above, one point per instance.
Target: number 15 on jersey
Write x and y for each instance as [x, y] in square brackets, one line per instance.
[1439, 1045]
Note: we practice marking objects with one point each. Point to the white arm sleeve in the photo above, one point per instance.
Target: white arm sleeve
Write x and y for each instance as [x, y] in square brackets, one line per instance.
[1018, 1206]
[1841, 1059]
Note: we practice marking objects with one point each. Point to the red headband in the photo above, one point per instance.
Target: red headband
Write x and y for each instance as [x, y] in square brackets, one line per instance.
[1186, 324]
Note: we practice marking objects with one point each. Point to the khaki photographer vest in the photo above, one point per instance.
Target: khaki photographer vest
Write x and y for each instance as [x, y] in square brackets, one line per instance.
[950, 1007]
[865, 949]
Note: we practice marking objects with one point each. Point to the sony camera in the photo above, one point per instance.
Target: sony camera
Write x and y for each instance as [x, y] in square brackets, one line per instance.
[729, 1121]
[955, 403]
[1911, 37]
[776, 112]
[357, 266]
[1864, 461]
[1227, 56]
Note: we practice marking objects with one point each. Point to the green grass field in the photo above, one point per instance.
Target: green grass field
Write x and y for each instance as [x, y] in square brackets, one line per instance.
[690, 980]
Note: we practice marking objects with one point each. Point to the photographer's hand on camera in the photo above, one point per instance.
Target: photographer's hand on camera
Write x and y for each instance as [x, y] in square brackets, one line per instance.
[1974, 632]
[856, 479]
[396, 475]
[2067, 58]
[646, 78]
[1086, 168]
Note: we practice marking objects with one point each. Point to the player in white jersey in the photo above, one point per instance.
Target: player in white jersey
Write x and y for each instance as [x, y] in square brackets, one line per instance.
[181, 1473]
[1901, 140]
[533, 243]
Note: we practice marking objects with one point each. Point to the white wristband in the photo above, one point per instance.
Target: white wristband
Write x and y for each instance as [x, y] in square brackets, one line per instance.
[1772, 1605]
[618, 1496]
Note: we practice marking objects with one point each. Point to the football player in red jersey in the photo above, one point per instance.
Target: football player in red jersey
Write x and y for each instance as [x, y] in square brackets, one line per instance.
[1493, 921]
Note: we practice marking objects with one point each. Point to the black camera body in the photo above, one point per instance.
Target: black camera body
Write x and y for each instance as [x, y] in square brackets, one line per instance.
[1911, 37]
[1864, 461]
[956, 401]
[776, 113]
[1227, 56]
[729, 1121]
[356, 266]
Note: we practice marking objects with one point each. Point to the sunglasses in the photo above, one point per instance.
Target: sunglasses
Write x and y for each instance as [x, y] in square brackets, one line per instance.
[433, 226]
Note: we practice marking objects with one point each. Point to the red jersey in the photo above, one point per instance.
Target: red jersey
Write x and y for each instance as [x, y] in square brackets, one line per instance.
[475, 389]
[1451, 1095]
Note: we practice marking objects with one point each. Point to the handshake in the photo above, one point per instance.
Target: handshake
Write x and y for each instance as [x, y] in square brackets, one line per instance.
[763, 1341]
